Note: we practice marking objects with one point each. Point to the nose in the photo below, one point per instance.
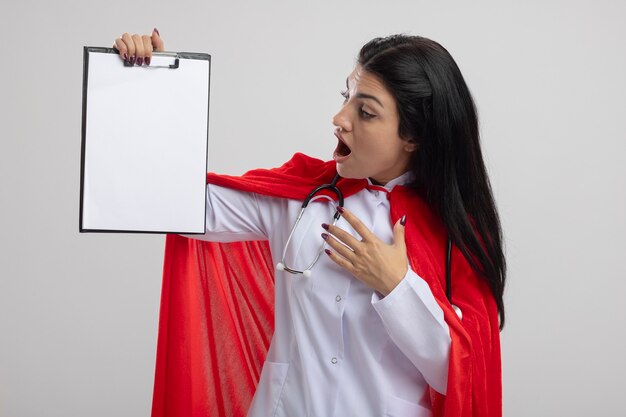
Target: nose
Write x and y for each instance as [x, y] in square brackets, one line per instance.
[342, 120]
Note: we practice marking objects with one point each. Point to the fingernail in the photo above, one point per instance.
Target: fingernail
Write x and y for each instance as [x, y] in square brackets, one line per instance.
[132, 60]
[126, 57]
[148, 61]
[324, 226]
[327, 252]
[140, 61]
[324, 236]
[157, 31]
[403, 220]
[340, 209]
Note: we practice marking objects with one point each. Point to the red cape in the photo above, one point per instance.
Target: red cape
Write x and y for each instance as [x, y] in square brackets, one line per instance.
[217, 307]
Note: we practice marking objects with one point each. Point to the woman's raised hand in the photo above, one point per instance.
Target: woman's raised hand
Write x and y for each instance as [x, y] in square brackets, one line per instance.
[137, 49]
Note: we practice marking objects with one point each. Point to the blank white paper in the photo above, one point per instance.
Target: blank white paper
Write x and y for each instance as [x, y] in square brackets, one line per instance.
[145, 146]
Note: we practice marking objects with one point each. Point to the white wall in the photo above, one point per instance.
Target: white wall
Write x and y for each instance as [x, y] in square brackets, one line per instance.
[78, 313]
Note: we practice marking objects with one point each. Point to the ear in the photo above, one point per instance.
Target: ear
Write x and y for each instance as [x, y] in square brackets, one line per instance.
[410, 145]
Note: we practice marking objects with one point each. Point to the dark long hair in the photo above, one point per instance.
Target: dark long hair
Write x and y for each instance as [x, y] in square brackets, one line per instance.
[436, 111]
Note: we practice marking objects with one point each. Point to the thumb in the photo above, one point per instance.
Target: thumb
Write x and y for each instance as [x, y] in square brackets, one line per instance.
[157, 42]
[398, 232]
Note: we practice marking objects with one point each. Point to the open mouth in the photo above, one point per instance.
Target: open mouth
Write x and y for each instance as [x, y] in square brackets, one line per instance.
[342, 149]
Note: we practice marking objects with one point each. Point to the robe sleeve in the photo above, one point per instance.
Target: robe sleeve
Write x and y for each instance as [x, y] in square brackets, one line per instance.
[232, 216]
[416, 325]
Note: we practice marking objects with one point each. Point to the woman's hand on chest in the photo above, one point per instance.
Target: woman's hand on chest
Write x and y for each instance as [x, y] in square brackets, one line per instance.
[379, 265]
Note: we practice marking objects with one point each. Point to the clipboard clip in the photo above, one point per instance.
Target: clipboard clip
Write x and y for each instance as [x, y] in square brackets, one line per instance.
[174, 55]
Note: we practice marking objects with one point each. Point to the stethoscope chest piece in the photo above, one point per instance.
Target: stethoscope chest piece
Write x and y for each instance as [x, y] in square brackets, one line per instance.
[458, 311]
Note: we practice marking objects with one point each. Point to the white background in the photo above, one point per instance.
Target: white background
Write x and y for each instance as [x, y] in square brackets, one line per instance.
[78, 313]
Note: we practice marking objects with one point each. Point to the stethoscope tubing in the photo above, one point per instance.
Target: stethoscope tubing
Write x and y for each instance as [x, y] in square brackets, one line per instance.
[312, 197]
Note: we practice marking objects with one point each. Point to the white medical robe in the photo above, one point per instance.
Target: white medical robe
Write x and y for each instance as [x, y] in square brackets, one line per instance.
[339, 348]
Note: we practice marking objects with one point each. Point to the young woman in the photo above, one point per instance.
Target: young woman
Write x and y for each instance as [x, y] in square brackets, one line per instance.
[373, 327]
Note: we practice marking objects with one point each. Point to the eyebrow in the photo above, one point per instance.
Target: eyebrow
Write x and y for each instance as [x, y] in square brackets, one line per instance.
[361, 95]
[366, 96]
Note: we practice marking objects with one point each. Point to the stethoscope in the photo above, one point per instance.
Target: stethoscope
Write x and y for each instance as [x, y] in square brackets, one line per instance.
[332, 187]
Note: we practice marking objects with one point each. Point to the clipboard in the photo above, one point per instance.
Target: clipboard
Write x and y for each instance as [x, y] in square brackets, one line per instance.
[144, 148]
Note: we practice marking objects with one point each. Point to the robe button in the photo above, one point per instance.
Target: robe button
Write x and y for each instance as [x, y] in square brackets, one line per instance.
[333, 360]
[338, 298]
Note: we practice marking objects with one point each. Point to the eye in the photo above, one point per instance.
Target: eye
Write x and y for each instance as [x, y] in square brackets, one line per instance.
[365, 114]
[345, 95]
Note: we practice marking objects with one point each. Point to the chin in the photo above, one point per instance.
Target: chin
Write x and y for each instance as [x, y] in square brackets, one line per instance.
[346, 172]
